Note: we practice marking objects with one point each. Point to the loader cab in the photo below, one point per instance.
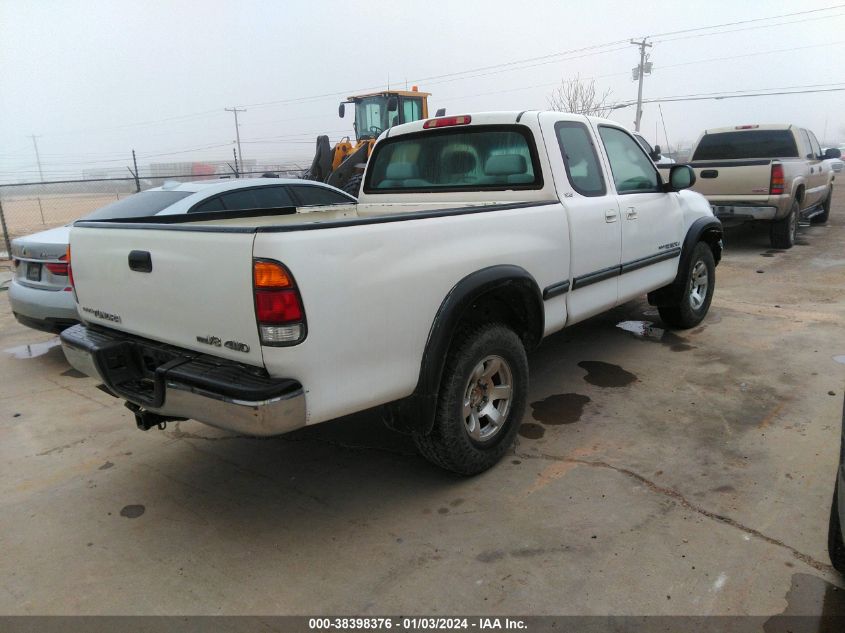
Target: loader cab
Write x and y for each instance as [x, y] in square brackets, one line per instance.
[376, 112]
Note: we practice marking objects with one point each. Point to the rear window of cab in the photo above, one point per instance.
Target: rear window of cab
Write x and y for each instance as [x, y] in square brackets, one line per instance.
[746, 144]
[478, 158]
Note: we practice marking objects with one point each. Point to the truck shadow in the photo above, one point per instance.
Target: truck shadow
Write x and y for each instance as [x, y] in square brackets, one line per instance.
[348, 470]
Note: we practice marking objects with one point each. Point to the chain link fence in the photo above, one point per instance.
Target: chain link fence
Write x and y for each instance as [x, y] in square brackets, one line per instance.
[27, 208]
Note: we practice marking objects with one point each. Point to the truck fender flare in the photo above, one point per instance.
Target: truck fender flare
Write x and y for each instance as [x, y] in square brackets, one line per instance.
[709, 230]
[799, 183]
[415, 413]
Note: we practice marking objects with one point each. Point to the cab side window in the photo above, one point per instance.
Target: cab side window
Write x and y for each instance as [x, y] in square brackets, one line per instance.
[808, 146]
[633, 171]
[817, 150]
[580, 158]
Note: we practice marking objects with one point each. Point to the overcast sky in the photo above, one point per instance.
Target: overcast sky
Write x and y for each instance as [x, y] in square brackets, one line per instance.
[95, 79]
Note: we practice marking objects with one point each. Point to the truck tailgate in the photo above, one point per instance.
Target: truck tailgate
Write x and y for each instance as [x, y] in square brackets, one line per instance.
[733, 178]
[197, 294]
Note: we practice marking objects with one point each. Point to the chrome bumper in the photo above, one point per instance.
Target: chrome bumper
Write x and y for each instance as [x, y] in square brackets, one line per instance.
[178, 398]
[740, 212]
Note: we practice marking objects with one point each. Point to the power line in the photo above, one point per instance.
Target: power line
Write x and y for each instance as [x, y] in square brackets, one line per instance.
[749, 28]
[730, 95]
[785, 15]
[507, 66]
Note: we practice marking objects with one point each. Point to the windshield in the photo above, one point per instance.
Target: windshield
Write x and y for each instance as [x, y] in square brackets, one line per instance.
[372, 117]
[480, 158]
[138, 206]
[753, 144]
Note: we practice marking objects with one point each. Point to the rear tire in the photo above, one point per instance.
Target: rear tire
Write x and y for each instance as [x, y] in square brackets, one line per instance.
[353, 185]
[699, 283]
[822, 217]
[784, 231]
[473, 428]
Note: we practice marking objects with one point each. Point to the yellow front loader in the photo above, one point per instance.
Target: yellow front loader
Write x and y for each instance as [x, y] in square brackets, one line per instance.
[343, 166]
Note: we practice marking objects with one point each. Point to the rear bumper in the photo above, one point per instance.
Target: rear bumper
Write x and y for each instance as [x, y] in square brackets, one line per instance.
[743, 212]
[177, 384]
[48, 310]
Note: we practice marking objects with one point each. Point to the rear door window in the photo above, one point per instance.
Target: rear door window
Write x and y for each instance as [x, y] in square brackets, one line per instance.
[209, 206]
[273, 197]
[580, 158]
[310, 196]
[491, 157]
[259, 198]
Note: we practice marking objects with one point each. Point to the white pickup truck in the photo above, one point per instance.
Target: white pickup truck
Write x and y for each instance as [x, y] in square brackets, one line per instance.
[474, 237]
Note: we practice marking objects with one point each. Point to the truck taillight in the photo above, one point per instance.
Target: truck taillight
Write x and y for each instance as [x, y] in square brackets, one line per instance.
[69, 270]
[278, 305]
[776, 184]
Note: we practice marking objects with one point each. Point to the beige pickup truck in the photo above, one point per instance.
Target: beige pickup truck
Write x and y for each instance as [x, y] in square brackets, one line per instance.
[769, 173]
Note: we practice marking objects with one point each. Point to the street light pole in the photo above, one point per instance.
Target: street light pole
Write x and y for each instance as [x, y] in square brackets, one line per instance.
[235, 111]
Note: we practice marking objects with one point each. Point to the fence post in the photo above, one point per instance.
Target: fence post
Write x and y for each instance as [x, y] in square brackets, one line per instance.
[41, 210]
[5, 231]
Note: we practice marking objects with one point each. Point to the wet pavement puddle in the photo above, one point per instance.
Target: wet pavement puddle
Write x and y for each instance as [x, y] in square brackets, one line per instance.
[531, 431]
[564, 408]
[647, 331]
[840, 359]
[813, 605]
[33, 350]
[606, 374]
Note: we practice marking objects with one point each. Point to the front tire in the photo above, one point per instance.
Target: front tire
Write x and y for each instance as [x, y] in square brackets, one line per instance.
[699, 283]
[835, 545]
[481, 400]
[784, 231]
[822, 217]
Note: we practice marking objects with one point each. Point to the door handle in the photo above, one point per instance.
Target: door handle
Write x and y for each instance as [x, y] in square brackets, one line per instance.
[610, 216]
[631, 213]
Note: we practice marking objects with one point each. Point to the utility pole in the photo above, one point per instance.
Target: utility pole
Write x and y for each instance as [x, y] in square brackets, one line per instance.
[639, 72]
[235, 111]
[235, 154]
[37, 157]
[137, 180]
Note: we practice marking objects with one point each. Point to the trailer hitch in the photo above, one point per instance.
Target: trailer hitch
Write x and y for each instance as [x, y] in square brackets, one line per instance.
[145, 420]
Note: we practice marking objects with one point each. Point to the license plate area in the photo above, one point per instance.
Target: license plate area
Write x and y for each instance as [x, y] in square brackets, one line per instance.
[137, 372]
[33, 271]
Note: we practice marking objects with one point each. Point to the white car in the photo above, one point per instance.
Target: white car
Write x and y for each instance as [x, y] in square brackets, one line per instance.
[836, 164]
[653, 152]
[40, 293]
[474, 237]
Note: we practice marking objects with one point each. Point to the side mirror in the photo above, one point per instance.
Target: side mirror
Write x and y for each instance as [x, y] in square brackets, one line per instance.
[392, 104]
[440, 112]
[341, 110]
[680, 177]
[657, 152]
[832, 152]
